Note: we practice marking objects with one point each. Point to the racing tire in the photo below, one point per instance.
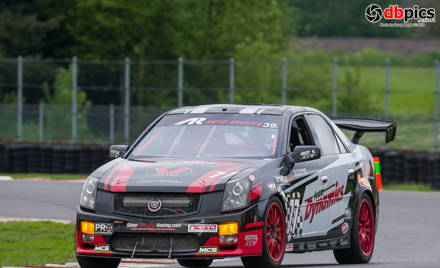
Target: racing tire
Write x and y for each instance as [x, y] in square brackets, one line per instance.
[96, 262]
[362, 235]
[196, 263]
[274, 238]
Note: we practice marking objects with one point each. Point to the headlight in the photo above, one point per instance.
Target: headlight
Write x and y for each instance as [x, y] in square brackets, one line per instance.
[88, 195]
[236, 194]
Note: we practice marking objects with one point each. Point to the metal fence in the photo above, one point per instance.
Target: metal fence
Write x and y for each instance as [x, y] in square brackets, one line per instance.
[127, 95]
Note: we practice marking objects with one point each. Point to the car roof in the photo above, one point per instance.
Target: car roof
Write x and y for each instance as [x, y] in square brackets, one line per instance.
[267, 109]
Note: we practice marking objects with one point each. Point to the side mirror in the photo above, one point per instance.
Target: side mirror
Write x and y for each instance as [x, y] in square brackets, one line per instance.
[116, 151]
[306, 153]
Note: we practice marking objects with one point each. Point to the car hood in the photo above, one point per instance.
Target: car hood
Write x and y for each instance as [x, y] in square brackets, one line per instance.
[171, 175]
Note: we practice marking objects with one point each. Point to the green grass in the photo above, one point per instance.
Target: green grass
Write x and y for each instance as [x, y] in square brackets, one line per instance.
[42, 175]
[409, 187]
[36, 243]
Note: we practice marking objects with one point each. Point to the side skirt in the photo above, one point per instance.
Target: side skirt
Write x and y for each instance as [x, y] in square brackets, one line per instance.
[319, 245]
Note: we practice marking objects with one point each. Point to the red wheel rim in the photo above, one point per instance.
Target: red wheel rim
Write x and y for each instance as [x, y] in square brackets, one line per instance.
[275, 232]
[366, 228]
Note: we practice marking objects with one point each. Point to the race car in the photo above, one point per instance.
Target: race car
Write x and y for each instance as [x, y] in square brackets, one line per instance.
[249, 181]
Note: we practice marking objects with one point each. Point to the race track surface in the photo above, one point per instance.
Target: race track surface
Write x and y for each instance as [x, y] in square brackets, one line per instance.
[408, 234]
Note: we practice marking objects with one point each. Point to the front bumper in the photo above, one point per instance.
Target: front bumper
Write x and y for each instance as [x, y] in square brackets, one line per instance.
[200, 243]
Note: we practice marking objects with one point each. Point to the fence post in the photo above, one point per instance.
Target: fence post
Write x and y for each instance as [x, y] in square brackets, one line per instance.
[180, 82]
[19, 97]
[436, 103]
[127, 100]
[41, 121]
[284, 81]
[74, 96]
[335, 87]
[387, 89]
[112, 123]
[231, 81]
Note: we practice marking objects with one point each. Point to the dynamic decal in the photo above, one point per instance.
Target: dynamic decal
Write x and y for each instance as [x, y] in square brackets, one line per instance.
[318, 203]
[294, 221]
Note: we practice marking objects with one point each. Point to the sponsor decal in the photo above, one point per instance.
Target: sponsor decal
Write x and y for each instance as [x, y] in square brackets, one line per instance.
[414, 16]
[251, 177]
[363, 181]
[320, 202]
[347, 214]
[250, 240]
[208, 250]
[102, 248]
[154, 205]
[343, 242]
[289, 247]
[202, 228]
[344, 228]
[104, 228]
[204, 121]
[306, 155]
[154, 227]
[311, 246]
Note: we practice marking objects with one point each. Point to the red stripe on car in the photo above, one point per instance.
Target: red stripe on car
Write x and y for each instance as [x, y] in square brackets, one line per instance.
[254, 224]
[120, 181]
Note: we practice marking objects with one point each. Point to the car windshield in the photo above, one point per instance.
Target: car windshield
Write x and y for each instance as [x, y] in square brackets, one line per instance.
[211, 135]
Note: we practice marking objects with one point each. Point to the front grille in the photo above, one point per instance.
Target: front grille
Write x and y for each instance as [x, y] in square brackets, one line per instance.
[170, 204]
[155, 243]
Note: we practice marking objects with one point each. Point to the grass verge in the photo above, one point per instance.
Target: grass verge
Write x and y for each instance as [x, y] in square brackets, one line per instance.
[36, 243]
[43, 175]
[409, 187]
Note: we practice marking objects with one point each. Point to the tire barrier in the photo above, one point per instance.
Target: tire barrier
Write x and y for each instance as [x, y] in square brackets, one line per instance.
[16, 157]
[397, 166]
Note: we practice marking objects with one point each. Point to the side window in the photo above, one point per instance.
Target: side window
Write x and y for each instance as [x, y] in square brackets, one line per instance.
[341, 145]
[326, 137]
[299, 134]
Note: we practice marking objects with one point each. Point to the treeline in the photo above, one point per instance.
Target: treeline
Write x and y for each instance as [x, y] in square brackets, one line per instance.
[201, 30]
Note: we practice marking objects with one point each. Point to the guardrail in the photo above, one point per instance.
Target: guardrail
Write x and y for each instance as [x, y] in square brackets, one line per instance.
[398, 166]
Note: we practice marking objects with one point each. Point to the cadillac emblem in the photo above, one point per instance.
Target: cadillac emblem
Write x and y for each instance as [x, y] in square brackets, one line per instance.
[154, 205]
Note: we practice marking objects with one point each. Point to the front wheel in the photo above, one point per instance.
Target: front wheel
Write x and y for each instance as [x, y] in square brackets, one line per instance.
[95, 262]
[274, 238]
[362, 235]
[199, 263]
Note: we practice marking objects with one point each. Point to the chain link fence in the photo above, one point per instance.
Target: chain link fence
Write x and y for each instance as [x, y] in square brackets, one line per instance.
[113, 101]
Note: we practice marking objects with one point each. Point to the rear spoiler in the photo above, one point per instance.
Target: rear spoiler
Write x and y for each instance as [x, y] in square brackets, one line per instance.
[360, 126]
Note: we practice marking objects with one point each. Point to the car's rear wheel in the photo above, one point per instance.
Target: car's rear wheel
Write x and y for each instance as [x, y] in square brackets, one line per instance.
[274, 238]
[94, 262]
[195, 262]
[362, 235]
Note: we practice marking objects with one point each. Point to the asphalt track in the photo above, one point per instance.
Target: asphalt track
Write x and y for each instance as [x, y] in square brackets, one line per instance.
[408, 234]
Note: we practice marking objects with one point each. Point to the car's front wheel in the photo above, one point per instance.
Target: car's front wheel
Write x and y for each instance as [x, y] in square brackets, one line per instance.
[94, 262]
[362, 235]
[274, 238]
[196, 263]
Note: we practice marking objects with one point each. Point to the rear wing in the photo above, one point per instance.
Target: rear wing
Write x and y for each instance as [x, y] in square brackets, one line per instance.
[360, 126]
